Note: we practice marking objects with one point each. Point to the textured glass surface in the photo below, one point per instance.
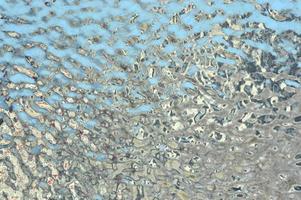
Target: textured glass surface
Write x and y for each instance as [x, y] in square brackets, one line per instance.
[150, 99]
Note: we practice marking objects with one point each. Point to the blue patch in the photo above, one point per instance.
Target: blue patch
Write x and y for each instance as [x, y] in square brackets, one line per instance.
[36, 150]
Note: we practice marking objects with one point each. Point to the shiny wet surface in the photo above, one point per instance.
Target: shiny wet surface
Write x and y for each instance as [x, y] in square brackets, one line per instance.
[150, 99]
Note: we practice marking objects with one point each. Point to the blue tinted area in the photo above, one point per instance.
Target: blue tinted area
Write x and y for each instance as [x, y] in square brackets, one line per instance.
[187, 85]
[98, 197]
[141, 109]
[21, 78]
[113, 96]
[3, 104]
[36, 150]
[54, 98]
[6, 136]
[20, 93]
[293, 83]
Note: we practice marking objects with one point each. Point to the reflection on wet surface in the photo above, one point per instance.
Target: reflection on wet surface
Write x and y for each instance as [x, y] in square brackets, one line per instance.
[150, 99]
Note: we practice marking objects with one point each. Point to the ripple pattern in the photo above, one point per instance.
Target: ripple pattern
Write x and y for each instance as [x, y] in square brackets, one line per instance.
[150, 99]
